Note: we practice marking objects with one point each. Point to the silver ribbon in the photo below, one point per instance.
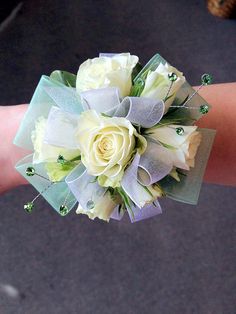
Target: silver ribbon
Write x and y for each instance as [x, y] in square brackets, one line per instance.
[145, 112]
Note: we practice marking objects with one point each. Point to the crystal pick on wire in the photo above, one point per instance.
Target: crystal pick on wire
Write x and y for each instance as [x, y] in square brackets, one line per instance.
[206, 79]
[28, 207]
[63, 210]
[30, 171]
[172, 77]
[179, 130]
[204, 109]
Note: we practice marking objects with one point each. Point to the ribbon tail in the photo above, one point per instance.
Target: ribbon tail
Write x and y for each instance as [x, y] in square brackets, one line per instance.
[148, 211]
[116, 214]
[137, 193]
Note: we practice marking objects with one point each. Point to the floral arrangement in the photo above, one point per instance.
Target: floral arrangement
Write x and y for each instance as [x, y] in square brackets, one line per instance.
[116, 137]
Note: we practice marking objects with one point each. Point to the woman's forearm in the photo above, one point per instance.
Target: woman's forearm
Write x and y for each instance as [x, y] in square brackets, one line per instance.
[221, 168]
[11, 117]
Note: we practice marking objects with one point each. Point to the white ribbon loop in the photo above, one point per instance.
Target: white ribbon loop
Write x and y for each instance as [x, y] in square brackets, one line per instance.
[137, 193]
[148, 211]
[103, 100]
[116, 214]
[84, 187]
[154, 164]
[142, 111]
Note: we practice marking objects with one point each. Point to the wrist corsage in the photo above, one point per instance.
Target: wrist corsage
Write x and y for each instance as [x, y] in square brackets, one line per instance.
[116, 137]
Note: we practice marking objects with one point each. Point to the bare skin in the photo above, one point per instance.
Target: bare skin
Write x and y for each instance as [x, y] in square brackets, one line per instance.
[221, 168]
[11, 117]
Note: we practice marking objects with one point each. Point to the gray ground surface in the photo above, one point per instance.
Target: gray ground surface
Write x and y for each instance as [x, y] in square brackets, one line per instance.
[181, 262]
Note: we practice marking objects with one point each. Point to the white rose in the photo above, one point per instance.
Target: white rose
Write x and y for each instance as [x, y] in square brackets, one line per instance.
[102, 209]
[183, 148]
[107, 145]
[104, 72]
[158, 83]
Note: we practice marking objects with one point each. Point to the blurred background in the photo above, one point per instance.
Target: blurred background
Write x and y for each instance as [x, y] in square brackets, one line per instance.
[181, 262]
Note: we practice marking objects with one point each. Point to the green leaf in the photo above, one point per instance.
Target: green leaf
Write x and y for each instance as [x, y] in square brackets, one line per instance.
[160, 187]
[167, 145]
[159, 142]
[66, 78]
[168, 97]
[181, 172]
[75, 158]
[125, 198]
[136, 70]
[94, 180]
[56, 172]
[146, 189]
[105, 115]
[168, 121]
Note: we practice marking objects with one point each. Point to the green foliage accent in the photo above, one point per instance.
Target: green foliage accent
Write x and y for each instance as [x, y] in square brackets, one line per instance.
[125, 198]
[139, 80]
[77, 158]
[180, 115]
[168, 121]
[147, 135]
[167, 145]
[146, 189]
[57, 172]
[70, 162]
[181, 172]
[160, 187]
[168, 97]
[113, 194]
[94, 180]
[105, 115]
[136, 70]
[66, 78]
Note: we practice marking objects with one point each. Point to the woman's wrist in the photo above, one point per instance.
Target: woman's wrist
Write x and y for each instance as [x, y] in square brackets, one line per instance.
[221, 168]
[11, 117]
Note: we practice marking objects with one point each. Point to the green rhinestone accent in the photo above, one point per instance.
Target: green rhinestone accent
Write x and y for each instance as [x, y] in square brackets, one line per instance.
[29, 207]
[30, 171]
[204, 109]
[172, 77]
[206, 79]
[90, 204]
[179, 130]
[61, 160]
[63, 210]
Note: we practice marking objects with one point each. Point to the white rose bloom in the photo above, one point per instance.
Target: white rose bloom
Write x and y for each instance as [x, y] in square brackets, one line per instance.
[104, 72]
[102, 209]
[48, 153]
[107, 145]
[158, 83]
[184, 146]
